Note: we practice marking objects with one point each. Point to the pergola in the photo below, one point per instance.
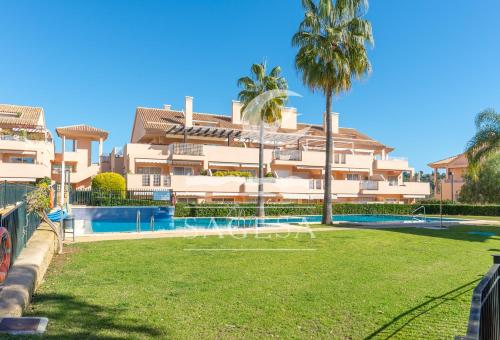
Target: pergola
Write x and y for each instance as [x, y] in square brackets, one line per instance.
[248, 135]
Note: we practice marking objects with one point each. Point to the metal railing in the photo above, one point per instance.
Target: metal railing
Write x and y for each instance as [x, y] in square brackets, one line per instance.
[11, 193]
[21, 227]
[484, 318]
[287, 155]
[415, 216]
[368, 185]
[118, 197]
[187, 149]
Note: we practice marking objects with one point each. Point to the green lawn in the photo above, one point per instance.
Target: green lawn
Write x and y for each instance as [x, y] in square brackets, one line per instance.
[467, 217]
[406, 283]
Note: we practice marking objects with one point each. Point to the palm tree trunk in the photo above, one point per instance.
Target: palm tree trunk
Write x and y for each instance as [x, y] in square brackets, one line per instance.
[260, 195]
[327, 200]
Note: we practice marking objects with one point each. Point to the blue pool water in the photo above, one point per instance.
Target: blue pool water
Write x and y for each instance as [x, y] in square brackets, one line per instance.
[118, 224]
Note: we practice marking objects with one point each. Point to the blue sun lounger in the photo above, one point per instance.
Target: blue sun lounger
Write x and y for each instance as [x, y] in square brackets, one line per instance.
[58, 215]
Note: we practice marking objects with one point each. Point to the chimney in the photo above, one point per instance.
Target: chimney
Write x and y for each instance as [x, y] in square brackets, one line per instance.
[334, 116]
[188, 111]
[167, 107]
[236, 112]
[289, 118]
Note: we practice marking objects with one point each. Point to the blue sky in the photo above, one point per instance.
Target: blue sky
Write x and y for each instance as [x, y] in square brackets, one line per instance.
[435, 64]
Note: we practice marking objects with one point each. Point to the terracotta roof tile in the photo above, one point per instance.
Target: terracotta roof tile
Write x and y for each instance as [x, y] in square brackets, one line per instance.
[17, 115]
[81, 130]
[161, 119]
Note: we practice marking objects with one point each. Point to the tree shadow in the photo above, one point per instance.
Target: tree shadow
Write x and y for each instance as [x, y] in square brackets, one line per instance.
[415, 320]
[77, 319]
[455, 232]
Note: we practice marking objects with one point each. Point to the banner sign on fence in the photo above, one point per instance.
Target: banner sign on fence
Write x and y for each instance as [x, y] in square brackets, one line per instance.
[161, 196]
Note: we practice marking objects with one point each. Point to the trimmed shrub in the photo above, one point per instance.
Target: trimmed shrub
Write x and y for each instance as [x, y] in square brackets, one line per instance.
[108, 182]
[222, 173]
[244, 210]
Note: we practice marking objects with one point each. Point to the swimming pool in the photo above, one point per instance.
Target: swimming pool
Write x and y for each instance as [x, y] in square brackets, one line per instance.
[120, 224]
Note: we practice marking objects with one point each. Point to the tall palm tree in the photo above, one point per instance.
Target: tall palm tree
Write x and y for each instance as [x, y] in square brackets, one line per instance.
[332, 41]
[486, 141]
[263, 96]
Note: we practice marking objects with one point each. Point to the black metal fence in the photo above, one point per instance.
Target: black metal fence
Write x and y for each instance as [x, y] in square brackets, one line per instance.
[21, 227]
[484, 319]
[133, 197]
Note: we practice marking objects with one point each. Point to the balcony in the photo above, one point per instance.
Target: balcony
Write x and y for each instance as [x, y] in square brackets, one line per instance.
[287, 155]
[392, 164]
[24, 171]
[393, 188]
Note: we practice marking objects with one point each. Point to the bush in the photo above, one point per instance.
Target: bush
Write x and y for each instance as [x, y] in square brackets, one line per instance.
[109, 182]
[43, 181]
[247, 210]
[222, 173]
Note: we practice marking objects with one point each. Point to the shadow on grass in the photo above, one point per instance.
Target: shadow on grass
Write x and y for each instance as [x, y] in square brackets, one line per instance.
[457, 232]
[70, 318]
[414, 322]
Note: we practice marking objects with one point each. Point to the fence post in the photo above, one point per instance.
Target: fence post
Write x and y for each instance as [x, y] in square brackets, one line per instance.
[496, 258]
[4, 193]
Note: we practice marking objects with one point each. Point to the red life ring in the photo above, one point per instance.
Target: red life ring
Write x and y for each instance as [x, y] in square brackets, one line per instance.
[6, 247]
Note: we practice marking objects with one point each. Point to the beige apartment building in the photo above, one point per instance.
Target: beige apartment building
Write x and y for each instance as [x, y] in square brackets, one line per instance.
[26, 146]
[75, 159]
[455, 169]
[186, 152]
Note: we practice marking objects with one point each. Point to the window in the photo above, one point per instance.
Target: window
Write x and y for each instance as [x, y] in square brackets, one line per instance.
[186, 200]
[339, 158]
[21, 159]
[352, 177]
[156, 180]
[183, 171]
[145, 181]
[393, 180]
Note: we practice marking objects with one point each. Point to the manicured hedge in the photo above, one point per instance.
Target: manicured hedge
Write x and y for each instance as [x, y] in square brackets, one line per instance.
[223, 210]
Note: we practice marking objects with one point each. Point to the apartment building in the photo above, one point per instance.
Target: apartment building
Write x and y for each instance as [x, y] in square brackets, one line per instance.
[455, 168]
[75, 159]
[26, 146]
[191, 153]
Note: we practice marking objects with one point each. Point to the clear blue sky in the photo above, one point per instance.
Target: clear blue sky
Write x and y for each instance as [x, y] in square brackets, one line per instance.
[435, 64]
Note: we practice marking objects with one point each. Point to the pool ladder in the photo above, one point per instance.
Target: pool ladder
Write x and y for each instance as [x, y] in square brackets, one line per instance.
[415, 216]
[138, 222]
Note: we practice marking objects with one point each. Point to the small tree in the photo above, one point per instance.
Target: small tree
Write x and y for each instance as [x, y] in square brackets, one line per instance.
[485, 186]
[38, 202]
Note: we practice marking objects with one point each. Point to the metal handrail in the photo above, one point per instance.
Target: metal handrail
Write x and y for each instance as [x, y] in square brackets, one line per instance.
[422, 207]
[138, 222]
[152, 223]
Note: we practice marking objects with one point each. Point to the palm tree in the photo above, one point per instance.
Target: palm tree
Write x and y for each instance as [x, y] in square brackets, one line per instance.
[260, 106]
[486, 141]
[332, 41]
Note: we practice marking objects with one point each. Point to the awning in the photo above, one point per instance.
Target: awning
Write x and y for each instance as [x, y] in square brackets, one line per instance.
[303, 196]
[347, 195]
[306, 167]
[225, 194]
[152, 160]
[181, 162]
[350, 169]
[18, 179]
[189, 194]
[234, 164]
[414, 196]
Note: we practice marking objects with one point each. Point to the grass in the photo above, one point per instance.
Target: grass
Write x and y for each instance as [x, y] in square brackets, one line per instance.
[347, 284]
[469, 217]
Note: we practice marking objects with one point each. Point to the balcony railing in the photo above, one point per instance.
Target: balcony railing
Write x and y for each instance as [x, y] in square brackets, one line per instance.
[287, 155]
[187, 149]
[368, 185]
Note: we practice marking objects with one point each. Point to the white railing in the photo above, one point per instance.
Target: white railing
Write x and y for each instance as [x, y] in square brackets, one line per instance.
[368, 185]
[287, 155]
